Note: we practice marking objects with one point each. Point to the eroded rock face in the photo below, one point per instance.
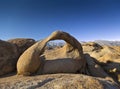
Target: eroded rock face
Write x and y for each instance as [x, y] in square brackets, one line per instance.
[94, 69]
[8, 57]
[91, 46]
[29, 62]
[103, 53]
[57, 81]
[108, 58]
[22, 43]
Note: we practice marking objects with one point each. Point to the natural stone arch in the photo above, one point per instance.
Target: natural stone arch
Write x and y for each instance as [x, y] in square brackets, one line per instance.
[30, 62]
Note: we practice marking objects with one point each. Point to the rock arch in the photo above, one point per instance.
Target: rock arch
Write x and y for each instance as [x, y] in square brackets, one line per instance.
[30, 62]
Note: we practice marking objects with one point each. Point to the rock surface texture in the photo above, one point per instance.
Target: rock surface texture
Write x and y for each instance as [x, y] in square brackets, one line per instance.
[8, 57]
[22, 43]
[57, 81]
[108, 57]
[10, 51]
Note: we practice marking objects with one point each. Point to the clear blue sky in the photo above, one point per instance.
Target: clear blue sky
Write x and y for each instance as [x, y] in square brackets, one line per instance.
[84, 19]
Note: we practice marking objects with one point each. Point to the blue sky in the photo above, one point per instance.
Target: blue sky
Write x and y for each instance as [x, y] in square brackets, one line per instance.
[84, 19]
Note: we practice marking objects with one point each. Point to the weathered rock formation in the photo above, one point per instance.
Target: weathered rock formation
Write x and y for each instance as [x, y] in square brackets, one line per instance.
[101, 63]
[108, 57]
[10, 51]
[8, 57]
[91, 47]
[30, 61]
[22, 43]
[57, 81]
[94, 69]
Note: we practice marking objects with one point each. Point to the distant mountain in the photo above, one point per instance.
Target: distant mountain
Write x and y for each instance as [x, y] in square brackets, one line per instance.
[109, 43]
[100, 42]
